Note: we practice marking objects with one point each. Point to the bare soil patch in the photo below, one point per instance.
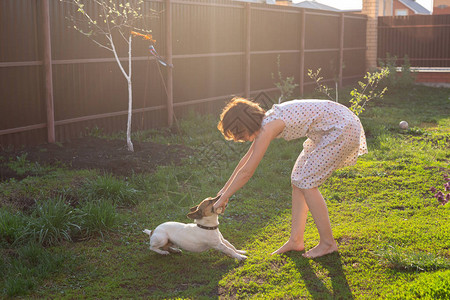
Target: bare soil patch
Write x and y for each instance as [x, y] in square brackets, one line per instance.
[94, 153]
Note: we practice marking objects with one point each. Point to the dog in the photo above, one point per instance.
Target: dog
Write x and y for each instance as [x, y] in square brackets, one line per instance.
[199, 236]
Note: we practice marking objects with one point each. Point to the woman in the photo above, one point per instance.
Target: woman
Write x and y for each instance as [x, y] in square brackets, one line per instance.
[335, 140]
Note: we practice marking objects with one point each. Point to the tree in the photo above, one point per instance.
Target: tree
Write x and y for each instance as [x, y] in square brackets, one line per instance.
[114, 21]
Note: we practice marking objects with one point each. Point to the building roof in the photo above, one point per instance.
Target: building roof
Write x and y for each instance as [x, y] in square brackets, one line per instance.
[416, 7]
[314, 5]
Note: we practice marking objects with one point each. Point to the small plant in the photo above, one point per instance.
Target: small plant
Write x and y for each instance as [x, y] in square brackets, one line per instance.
[286, 86]
[51, 222]
[366, 91]
[320, 87]
[441, 196]
[22, 166]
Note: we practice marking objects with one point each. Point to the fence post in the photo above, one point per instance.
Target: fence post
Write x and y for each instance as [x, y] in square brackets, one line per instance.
[48, 72]
[302, 51]
[341, 48]
[169, 61]
[248, 14]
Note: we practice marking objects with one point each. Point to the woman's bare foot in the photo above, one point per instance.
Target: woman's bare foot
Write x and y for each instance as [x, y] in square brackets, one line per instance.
[289, 246]
[320, 250]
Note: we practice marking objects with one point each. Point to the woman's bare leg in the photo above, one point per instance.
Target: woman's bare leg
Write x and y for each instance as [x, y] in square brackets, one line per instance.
[299, 214]
[319, 211]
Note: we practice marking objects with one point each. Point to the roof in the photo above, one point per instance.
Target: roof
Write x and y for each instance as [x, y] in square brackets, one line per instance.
[314, 5]
[416, 7]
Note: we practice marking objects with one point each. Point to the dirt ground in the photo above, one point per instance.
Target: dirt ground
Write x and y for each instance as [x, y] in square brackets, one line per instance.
[95, 153]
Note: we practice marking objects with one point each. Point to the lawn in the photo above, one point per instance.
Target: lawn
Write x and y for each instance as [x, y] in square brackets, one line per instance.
[393, 233]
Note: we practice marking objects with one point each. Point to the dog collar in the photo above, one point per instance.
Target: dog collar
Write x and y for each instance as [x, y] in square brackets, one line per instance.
[207, 228]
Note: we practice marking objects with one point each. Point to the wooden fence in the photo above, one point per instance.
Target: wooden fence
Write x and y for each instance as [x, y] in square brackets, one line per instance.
[53, 79]
[424, 39]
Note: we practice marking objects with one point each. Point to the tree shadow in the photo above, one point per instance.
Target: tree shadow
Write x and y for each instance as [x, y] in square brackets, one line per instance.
[340, 288]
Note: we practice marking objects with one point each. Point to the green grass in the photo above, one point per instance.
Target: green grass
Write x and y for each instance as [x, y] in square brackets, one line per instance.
[393, 235]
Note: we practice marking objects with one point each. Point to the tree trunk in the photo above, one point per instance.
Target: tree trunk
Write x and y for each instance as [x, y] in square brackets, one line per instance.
[130, 99]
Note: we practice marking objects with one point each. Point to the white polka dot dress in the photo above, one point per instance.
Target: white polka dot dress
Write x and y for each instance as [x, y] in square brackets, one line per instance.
[335, 138]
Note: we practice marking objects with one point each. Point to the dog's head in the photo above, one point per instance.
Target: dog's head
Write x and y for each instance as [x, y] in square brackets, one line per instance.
[204, 209]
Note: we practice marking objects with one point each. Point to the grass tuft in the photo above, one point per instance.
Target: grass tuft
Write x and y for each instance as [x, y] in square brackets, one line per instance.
[97, 217]
[107, 187]
[51, 222]
[397, 258]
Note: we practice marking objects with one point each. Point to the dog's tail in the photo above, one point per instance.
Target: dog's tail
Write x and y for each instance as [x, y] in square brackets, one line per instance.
[149, 232]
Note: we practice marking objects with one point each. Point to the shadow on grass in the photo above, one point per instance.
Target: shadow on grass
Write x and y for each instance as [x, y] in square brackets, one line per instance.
[332, 263]
[182, 275]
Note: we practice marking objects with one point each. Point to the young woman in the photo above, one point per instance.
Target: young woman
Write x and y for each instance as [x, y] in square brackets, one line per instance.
[335, 140]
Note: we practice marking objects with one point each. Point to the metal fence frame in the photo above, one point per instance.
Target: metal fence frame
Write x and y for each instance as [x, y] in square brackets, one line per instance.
[425, 39]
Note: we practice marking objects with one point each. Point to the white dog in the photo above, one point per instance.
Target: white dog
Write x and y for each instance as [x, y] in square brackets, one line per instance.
[200, 236]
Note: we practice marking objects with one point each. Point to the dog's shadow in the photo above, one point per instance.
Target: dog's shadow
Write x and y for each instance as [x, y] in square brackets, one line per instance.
[175, 274]
[340, 288]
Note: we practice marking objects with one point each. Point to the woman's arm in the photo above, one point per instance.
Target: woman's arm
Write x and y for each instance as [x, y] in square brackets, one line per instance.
[238, 167]
[255, 155]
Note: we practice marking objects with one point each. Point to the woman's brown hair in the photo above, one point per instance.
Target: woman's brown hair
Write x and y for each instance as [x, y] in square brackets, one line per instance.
[240, 118]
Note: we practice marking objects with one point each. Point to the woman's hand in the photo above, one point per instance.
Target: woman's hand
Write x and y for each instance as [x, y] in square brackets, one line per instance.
[221, 204]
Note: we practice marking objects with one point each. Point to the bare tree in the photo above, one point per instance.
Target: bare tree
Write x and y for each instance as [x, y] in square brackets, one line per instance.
[107, 22]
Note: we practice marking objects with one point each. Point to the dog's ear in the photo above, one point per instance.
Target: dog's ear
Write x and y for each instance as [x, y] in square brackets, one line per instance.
[197, 214]
[192, 209]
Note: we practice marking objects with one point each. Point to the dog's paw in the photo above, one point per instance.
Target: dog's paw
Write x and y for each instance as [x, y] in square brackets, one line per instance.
[159, 251]
[242, 257]
[175, 250]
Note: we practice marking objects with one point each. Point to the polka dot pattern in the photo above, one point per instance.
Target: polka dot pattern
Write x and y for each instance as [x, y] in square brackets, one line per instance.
[335, 138]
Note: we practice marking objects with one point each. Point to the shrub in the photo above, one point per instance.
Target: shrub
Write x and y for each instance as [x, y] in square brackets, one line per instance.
[395, 79]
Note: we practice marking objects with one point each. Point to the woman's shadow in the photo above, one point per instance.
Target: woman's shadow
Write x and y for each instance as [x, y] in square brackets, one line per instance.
[333, 264]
